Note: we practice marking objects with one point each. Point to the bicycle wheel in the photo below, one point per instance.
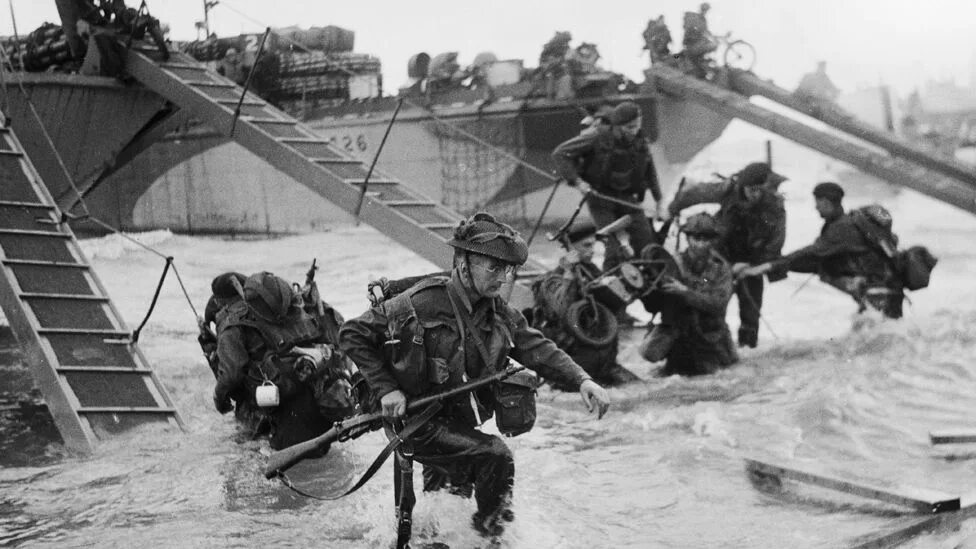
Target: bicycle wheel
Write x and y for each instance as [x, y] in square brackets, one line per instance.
[740, 55]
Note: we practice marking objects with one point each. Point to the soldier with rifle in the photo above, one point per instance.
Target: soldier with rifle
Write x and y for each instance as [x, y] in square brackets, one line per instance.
[443, 332]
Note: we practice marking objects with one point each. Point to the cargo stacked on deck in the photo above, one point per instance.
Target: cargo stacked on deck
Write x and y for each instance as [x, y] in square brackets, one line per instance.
[39, 50]
[300, 68]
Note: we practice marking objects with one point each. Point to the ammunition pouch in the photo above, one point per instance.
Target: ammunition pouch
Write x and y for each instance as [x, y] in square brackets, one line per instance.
[515, 403]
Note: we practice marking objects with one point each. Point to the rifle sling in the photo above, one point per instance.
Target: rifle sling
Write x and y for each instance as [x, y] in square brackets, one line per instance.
[478, 342]
[412, 424]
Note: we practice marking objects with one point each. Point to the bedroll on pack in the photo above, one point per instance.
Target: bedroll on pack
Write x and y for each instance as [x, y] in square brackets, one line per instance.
[915, 267]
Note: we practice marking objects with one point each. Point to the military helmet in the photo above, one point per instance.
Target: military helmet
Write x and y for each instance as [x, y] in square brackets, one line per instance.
[701, 224]
[268, 296]
[223, 285]
[481, 234]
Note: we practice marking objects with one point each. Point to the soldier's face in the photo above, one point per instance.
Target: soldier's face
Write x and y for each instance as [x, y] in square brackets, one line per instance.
[585, 248]
[699, 245]
[752, 193]
[488, 274]
[631, 128]
[826, 208]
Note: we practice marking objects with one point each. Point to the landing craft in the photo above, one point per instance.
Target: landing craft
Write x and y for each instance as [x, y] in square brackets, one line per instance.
[477, 141]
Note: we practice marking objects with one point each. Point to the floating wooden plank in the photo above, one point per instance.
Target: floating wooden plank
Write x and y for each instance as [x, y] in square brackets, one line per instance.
[924, 501]
[916, 527]
[960, 436]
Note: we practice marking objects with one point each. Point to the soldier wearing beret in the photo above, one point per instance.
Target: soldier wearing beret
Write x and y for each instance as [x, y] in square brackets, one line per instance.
[846, 255]
[752, 228]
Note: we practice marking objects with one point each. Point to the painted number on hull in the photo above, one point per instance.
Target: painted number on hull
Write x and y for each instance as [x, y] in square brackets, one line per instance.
[349, 143]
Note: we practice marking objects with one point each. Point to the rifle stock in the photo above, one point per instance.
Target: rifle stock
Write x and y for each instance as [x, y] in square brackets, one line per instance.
[284, 459]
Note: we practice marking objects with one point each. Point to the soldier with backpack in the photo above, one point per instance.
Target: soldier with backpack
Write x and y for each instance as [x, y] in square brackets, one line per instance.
[616, 162]
[277, 360]
[439, 334]
[856, 253]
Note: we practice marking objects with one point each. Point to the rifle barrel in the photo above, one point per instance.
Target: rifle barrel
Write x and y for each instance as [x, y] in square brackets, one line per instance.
[285, 458]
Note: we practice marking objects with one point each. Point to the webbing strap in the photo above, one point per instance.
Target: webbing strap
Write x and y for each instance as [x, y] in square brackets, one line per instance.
[478, 342]
[409, 428]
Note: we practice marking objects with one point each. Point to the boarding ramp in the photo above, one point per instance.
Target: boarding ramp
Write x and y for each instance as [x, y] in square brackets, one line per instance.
[94, 379]
[414, 221]
[749, 84]
[897, 170]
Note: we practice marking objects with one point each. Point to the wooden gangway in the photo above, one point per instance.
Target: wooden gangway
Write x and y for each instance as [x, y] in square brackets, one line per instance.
[94, 378]
[410, 219]
[899, 170]
[749, 84]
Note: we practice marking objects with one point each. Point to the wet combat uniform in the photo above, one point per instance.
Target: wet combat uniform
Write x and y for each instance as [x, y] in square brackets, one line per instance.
[751, 233]
[616, 166]
[251, 350]
[451, 443]
[693, 335]
[554, 292]
[846, 258]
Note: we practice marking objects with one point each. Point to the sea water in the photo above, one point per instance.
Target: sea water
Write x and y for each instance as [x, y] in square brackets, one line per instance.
[852, 395]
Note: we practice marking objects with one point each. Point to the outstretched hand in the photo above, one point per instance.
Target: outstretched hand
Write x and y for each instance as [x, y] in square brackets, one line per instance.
[594, 397]
[756, 270]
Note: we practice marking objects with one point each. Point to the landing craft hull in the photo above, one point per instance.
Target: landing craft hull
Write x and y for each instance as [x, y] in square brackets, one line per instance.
[199, 181]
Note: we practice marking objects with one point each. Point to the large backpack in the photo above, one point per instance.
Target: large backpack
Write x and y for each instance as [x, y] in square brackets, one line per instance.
[915, 267]
[912, 266]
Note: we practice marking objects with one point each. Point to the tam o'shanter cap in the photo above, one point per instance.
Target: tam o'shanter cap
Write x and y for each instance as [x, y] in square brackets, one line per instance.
[482, 234]
[624, 113]
[829, 190]
[581, 233]
[759, 173]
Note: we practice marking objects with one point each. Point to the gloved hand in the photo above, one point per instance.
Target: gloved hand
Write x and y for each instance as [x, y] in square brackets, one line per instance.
[222, 403]
[394, 404]
[594, 397]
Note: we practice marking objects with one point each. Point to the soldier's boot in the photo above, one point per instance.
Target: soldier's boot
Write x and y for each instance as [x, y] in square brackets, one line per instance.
[748, 337]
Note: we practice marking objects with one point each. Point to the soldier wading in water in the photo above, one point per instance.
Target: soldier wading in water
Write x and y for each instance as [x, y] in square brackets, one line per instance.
[445, 331]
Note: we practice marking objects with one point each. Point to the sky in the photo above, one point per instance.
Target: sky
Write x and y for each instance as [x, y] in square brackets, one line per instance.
[901, 43]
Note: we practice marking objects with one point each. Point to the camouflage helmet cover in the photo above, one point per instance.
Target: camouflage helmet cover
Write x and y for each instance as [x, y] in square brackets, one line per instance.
[268, 296]
[701, 224]
[482, 234]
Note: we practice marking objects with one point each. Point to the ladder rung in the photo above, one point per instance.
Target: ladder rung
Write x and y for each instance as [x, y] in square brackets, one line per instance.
[125, 410]
[206, 84]
[37, 205]
[104, 369]
[176, 65]
[336, 161]
[436, 226]
[11, 153]
[359, 182]
[82, 331]
[272, 121]
[52, 234]
[402, 203]
[38, 263]
[79, 297]
[312, 140]
[229, 102]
